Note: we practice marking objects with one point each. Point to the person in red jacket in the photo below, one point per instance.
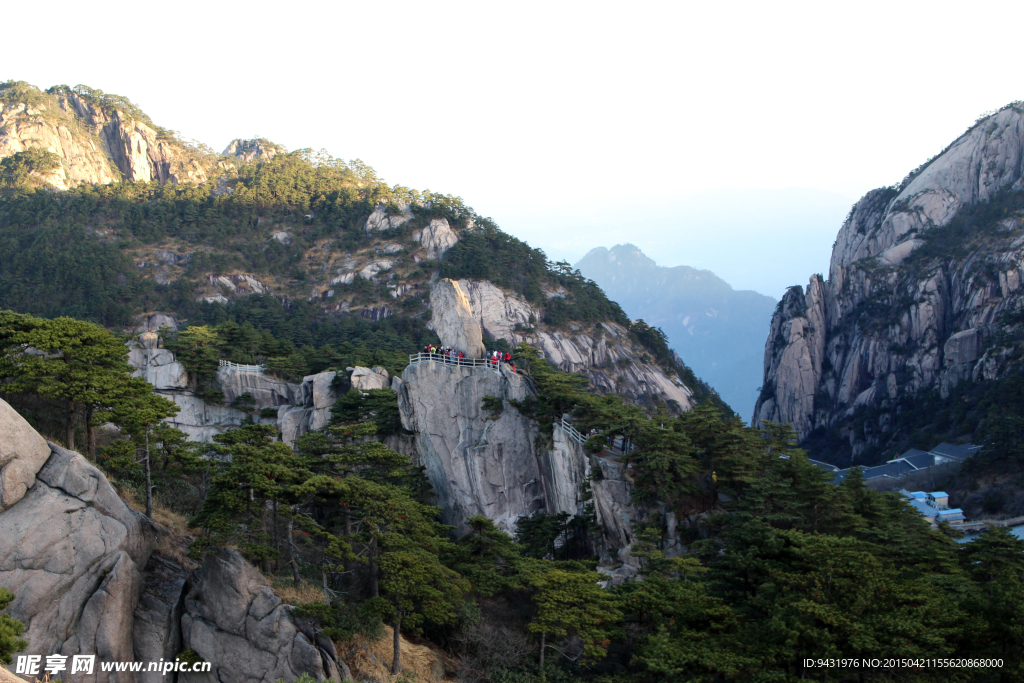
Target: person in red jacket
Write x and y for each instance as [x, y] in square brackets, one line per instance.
[508, 357]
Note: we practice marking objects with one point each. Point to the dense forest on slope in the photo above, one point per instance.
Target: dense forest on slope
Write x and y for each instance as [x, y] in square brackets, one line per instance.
[795, 568]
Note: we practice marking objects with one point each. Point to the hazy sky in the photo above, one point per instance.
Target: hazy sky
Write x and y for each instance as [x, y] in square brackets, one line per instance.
[573, 125]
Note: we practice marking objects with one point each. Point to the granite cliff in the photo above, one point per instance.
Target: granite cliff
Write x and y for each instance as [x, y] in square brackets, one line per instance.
[98, 139]
[88, 579]
[923, 293]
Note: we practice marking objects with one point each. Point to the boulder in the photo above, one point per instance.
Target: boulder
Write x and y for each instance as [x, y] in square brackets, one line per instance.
[149, 340]
[364, 379]
[235, 621]
[436, 238]
[380, 219]
[292, 422]
[202, 420]
[453, 319]
[22, 454]
[71, 552]
[371, 269]
[318, 390]
[157, 366]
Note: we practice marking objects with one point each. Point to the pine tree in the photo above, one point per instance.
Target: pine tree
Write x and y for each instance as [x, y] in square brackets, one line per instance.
[140, 414]
[78, 362]
[571, 603]
[10, 629]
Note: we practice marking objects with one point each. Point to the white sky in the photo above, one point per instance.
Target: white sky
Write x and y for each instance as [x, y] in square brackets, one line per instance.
[573, 125]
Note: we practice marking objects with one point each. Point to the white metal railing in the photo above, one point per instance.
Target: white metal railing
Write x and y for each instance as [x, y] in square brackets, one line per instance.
[572, 432]
[241, 368]
[617, 446]
[448, 360]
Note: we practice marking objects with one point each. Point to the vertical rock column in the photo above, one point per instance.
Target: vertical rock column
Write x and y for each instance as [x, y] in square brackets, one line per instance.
[453, 319]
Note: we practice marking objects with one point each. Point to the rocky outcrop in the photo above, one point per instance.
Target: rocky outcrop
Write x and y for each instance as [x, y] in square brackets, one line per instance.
[380, 219]
[453, 319]
[365, 379]
[98, 139]
[312, 409]
[252, 150]
[267, 391]
[478, 463]
[157, 366]
[492, 462]
[156, 631]
[234, 620]
[437, 238]
[606, 355]
[890, 321]
[79, 562]
[72, 552]
[22, 454]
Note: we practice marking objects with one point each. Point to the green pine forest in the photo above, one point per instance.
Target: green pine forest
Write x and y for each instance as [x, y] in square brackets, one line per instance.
[795, 568]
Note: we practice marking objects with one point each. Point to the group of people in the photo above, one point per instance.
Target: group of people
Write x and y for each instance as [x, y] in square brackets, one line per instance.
[494, 358]
[447, 354]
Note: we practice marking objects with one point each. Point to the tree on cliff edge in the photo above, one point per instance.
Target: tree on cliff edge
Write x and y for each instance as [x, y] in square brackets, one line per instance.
[78, 362]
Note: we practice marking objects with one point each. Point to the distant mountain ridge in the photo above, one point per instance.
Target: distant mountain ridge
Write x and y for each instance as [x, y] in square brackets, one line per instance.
[717, 329]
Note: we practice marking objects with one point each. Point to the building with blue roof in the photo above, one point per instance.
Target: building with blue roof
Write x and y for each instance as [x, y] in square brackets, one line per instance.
[932, 507]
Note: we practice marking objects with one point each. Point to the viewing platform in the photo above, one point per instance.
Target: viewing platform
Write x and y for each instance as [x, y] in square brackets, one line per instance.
[241, 368]
[448, 360]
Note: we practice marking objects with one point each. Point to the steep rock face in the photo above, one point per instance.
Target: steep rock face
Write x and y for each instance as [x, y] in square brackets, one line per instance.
[95, 143]
[478, 464]
[79, 562]
[158, 367]
[266, 391]
[607, 356]
[976, 167]
[156, 631]
[71, 551]
[453, 319]
[890, 321]
[234, 620]
[491, 463]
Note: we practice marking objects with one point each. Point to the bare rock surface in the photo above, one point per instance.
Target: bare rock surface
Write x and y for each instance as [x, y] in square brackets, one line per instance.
[889, 323]
[71, 552]
[608, 357]
[157, 366]
[437, 238]
[234, 620]
[156, 631]
[453, 319]
[252, 150]
[478, 463]
[267, 391]
[22, 454]
[380, 219]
